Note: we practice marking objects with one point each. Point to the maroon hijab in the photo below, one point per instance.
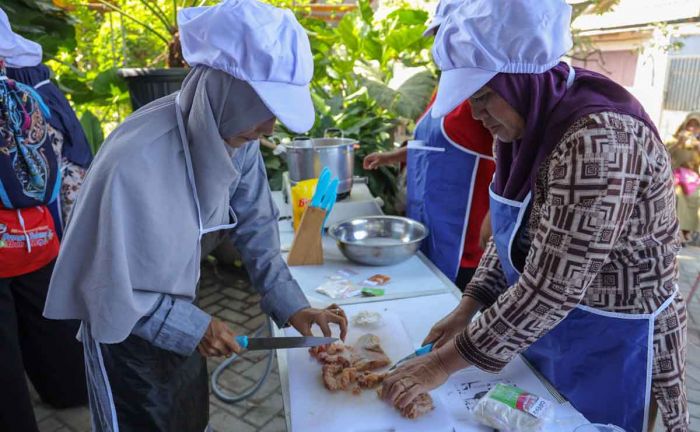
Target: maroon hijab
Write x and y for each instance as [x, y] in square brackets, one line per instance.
[549, 109]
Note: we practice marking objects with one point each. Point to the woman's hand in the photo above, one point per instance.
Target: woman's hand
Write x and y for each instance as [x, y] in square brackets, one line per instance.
[376, 160]
[306, 318]
[218, 341]
[421, 375]
[373, 161]
[453, 324]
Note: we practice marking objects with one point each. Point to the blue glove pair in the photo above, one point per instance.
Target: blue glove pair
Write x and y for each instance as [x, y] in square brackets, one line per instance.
[326, 193]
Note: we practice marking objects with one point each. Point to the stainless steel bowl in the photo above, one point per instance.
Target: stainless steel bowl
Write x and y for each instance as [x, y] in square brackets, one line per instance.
[378, 240]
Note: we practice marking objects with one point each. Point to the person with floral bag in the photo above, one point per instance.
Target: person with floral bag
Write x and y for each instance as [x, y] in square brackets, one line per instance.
[30, 181]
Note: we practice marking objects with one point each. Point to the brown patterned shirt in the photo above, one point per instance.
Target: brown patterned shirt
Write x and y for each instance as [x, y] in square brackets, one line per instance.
[603, 232]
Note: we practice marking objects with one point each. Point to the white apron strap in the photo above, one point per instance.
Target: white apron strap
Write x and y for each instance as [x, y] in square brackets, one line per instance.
[41, 84]
[571, 78]
[666, 304]
[188, 160]
[650, 353]
[190, 176]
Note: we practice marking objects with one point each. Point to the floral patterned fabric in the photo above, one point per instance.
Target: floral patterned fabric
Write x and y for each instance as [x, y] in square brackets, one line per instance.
[72, 176]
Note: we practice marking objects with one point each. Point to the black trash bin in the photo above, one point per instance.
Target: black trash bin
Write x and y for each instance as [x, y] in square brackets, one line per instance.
[146, 85]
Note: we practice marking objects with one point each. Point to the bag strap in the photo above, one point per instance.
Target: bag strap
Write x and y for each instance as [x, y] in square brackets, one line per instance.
[24, 229]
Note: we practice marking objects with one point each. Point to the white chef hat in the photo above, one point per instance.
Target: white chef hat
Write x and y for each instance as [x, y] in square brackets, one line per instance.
[257, 43]
[444, 8]
[482, 38]
[16, 50]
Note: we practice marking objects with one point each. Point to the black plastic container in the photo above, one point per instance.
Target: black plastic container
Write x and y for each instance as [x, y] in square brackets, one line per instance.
[146, 85]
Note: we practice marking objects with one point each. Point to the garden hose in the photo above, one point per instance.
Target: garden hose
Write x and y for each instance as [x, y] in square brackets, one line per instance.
[230, 398]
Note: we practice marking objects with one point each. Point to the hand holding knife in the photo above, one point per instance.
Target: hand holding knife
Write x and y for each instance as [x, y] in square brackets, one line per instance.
[425, 349]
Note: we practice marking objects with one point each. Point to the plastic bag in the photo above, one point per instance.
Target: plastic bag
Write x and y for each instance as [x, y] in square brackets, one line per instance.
[376, 280]
[509, 408]
[338, 288]
[302, 193]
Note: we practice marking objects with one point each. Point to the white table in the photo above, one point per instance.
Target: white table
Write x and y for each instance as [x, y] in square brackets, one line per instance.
[420, 291]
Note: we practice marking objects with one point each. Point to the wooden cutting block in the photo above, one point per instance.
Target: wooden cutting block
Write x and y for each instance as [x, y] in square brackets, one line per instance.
[306, 247]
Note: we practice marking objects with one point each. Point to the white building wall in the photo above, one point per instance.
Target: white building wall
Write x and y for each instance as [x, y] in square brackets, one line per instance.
[650, 73]
[650, 81]
[670, 120]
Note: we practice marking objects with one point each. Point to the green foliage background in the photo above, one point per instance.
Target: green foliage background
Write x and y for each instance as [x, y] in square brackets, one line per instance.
[356, 62]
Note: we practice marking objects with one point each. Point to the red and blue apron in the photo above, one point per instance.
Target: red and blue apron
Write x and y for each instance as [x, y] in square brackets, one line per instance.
[442, 191]
[600, 361]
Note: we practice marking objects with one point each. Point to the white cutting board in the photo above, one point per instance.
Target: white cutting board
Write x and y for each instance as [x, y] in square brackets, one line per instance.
[313, 408]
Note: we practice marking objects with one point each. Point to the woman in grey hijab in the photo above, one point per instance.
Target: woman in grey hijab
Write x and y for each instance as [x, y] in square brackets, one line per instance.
[178, 176]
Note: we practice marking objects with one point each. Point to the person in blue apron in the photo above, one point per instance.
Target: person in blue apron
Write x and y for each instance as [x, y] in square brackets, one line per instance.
[581, 273]
[449, 167]
[175, 178]
[32, 181]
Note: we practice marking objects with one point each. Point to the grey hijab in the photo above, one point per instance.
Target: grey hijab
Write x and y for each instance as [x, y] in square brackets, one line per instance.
[215, 105]
[134, 233]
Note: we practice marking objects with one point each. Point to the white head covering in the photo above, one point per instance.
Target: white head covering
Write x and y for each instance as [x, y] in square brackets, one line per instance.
[443, 9]
[257, 43]
[17, 51]
[482, 38]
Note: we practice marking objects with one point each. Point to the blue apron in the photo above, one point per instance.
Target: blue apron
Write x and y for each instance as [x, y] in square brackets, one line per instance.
[440, 182]
[600, 361]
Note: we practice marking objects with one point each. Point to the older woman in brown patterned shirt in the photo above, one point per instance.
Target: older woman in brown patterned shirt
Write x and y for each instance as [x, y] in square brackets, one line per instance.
[580, 275]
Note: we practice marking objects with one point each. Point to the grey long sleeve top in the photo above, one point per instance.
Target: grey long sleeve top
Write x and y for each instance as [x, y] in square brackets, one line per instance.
[178, 325]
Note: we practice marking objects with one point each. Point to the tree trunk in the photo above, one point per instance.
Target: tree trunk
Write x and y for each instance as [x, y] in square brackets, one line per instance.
[175, 58]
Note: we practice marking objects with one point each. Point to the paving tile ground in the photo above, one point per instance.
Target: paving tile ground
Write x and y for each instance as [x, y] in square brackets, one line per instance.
[228, 295]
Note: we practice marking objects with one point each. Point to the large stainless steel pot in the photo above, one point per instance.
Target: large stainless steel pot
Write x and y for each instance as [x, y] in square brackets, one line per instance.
[306, 157]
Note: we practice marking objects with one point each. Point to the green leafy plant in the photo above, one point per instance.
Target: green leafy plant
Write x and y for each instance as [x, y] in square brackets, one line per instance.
[157, 17]
[373, 76]
[54, 25]
[355, 88]
[43, 22]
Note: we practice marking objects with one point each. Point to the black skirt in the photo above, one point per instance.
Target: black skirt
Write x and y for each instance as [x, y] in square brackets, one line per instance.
[155, 389]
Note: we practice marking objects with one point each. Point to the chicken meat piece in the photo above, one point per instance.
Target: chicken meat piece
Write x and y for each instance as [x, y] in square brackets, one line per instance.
[370, 380]
[420, 406]
[336, 353]
[367, 354]
[337, 377]
[349, 368]
[331, 349]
